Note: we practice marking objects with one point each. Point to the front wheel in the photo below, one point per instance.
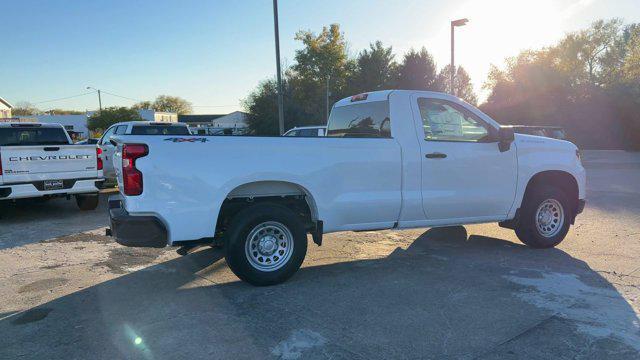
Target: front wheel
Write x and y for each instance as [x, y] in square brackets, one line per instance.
[266, 244]
[545, 218]
[87, 202]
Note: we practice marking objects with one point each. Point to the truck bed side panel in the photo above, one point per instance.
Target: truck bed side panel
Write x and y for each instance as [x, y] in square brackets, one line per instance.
[355, 182]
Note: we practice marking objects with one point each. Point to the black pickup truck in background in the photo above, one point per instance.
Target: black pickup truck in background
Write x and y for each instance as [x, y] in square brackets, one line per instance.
[554, 132]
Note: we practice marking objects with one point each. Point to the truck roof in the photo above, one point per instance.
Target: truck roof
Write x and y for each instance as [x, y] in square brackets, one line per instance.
[143, 123]
[18, 124]
[382, 95]
[309, 127]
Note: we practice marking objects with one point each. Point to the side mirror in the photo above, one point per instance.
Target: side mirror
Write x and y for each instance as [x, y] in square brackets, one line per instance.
[113, 142]
[506, 136]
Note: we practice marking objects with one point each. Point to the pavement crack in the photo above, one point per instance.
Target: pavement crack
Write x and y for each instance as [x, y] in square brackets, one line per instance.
[519, 335]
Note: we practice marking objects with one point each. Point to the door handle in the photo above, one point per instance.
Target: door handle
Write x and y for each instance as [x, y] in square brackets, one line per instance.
[51, 148]
[436, 155]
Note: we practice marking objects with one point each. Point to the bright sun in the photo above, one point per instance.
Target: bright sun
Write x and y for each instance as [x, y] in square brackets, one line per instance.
[500, 28]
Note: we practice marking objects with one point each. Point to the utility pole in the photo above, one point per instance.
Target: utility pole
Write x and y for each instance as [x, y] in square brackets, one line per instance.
[99, 96]
[454, 23]
[279, 75]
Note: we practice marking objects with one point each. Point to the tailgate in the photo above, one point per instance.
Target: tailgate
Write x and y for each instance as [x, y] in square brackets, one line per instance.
[32, 163]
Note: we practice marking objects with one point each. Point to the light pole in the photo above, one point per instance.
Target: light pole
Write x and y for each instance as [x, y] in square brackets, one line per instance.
[327, 99]
[279, 75]
[99, 97]
[454, 23]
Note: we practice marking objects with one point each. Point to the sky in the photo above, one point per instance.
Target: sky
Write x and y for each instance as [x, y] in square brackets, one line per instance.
[214, 52]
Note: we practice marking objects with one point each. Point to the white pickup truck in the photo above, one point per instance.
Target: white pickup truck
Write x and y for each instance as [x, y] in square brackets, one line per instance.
[40, 161]
[390, 160]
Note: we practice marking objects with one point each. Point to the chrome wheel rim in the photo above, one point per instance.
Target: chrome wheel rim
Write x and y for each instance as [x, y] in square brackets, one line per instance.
[549, 218]
[269, 246]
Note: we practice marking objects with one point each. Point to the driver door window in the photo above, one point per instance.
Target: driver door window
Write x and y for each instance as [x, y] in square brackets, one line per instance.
[443, 120]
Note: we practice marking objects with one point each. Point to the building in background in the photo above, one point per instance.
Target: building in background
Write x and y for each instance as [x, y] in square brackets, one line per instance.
[159, 116]
[5, 109]
[78, 123]
[234, 120]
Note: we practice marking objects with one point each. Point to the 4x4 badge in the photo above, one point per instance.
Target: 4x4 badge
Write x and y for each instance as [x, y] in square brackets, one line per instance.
[191, 140]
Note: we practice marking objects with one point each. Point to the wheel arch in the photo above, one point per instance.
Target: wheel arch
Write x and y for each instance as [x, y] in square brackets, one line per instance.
[274, 188]
[292, 195]
[558, 178]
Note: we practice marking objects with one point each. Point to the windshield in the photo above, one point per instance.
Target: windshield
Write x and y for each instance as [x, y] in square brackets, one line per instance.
[18, 136]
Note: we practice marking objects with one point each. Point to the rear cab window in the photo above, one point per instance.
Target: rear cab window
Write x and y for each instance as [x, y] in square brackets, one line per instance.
[27, 136]
[159, 130]
[363, 120]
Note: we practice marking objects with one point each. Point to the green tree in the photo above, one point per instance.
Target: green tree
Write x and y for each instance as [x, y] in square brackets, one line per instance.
[142, 105]
[376, 69]
[322, 60]
[418, 71]
[262, 107]
[631, 62]
[175, 104]
[585, 83]
[24, 108]
[57, 111]
[101, 120]
[462, 84]
[590, 57]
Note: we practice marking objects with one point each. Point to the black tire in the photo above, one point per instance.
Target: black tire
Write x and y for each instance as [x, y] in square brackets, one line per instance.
[87, 202]
[527, 229]
[237, 235]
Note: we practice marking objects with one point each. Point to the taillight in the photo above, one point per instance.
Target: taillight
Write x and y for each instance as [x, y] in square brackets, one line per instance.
[132, 177]
[99, 158]
[0, 164]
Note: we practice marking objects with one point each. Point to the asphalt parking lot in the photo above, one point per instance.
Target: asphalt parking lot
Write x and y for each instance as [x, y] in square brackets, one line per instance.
[67, 291]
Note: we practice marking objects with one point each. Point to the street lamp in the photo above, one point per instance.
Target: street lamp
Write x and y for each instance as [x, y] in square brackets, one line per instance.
[454, 23]
[99, 97]
[279, 75]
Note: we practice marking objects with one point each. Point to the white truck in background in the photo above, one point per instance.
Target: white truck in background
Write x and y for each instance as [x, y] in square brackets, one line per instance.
[134, 128]
[390, 160]
[40, 161]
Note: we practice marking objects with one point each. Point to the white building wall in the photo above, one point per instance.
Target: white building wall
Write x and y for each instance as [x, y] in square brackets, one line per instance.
[151, 115]
[236, 119]
[5, 111]
[78, 122]
[147, 114]
[165, 117]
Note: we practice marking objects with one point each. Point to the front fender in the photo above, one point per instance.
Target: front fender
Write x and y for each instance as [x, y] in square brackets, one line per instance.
[538, 154]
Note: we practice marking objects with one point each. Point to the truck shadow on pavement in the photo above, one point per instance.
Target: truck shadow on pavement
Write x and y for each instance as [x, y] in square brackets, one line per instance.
[447, 295]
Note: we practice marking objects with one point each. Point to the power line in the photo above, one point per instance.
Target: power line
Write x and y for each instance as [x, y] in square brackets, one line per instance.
[138, 100]
[120, 96]
[127, 98]
[63, 98]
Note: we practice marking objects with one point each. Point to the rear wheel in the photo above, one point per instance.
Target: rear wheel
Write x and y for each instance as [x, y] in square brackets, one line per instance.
[87, 201]
[545, 218]
[266, 244]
